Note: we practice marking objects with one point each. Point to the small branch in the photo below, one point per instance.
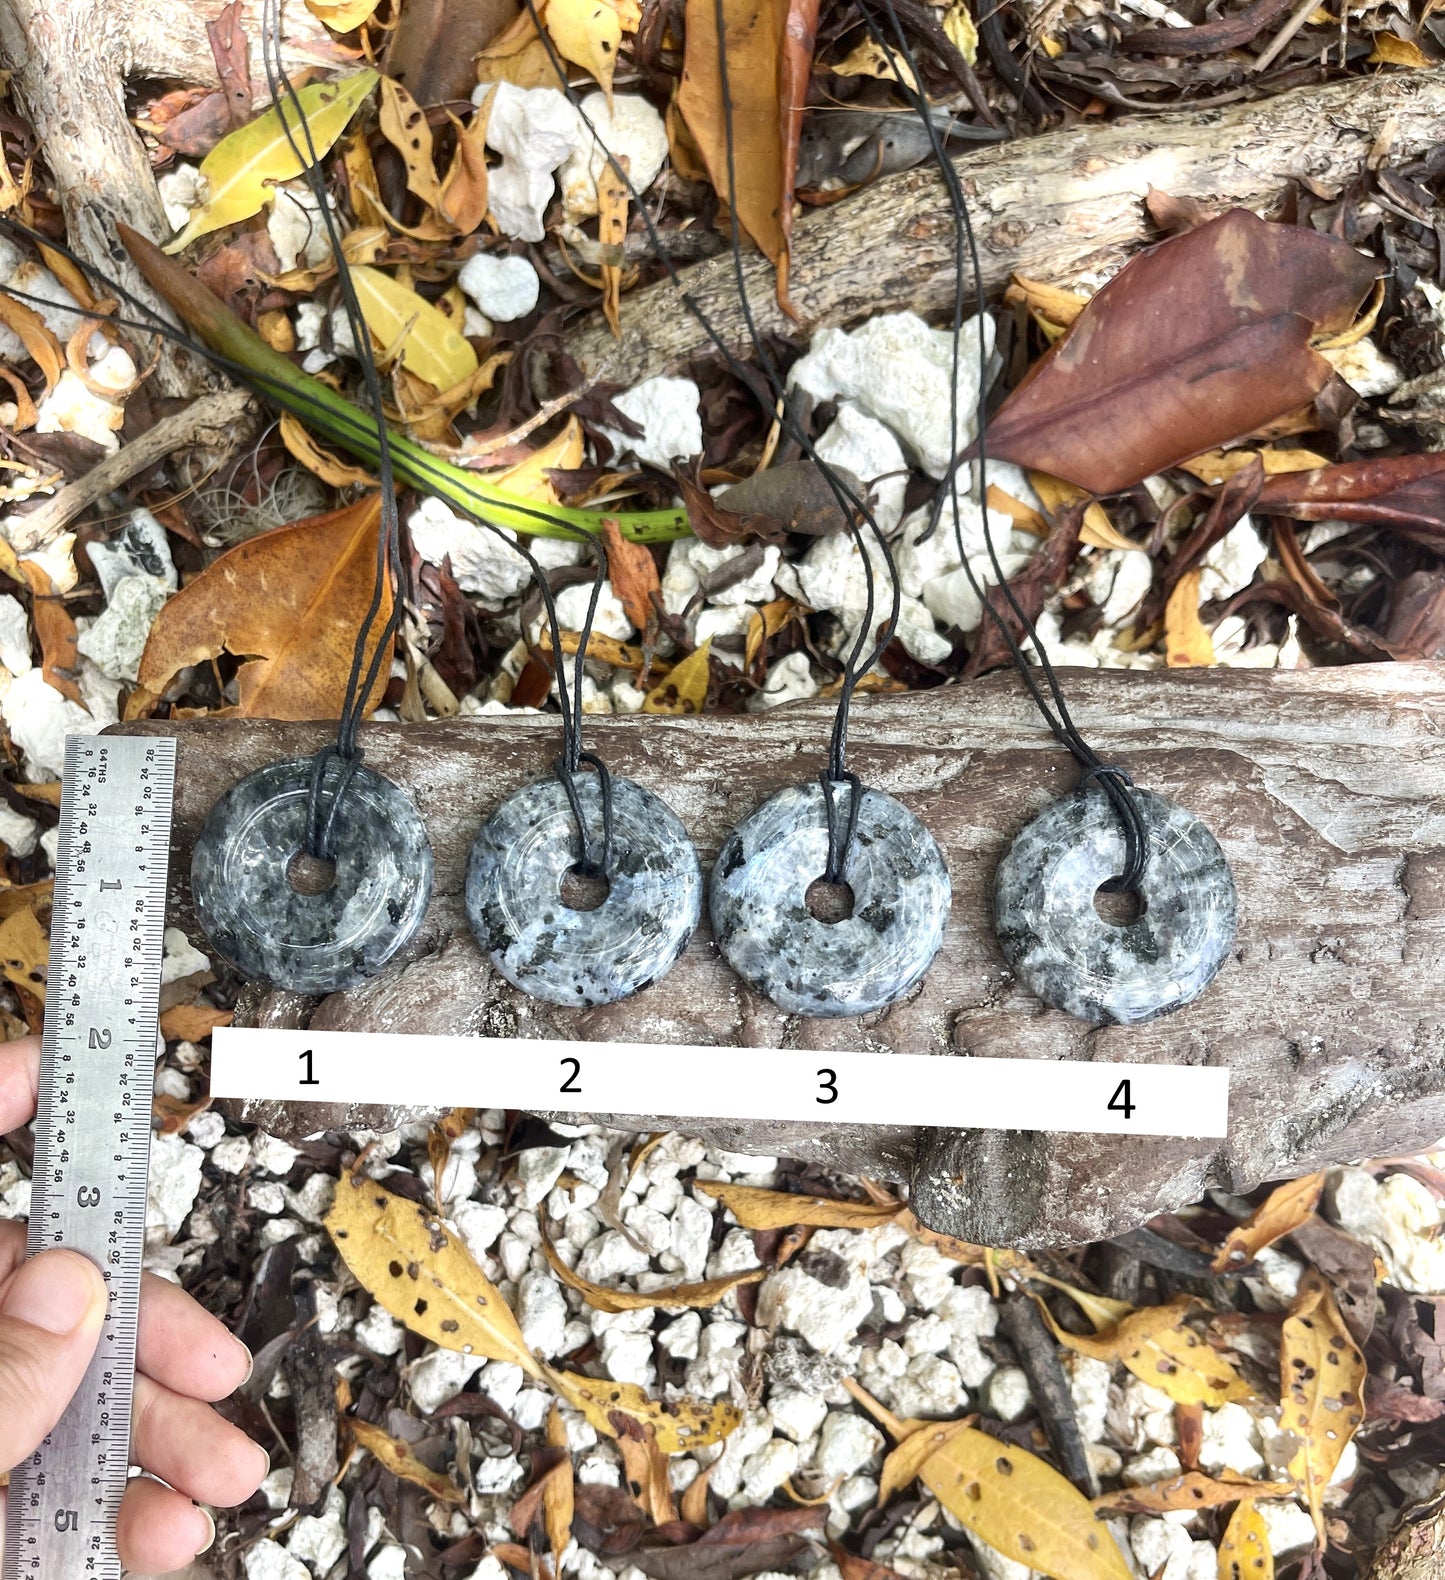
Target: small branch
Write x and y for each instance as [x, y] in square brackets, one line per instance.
[211, 415]
[1038, 1354]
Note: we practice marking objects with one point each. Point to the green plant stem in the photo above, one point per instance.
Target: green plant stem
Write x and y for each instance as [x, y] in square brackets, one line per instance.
[336, 420]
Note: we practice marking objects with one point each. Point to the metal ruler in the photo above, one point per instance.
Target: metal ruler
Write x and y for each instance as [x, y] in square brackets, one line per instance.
[93, 1132]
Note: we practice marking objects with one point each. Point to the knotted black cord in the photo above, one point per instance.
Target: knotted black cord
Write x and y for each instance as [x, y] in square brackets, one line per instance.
[1112, 780]
[321, 817]
[850, 504]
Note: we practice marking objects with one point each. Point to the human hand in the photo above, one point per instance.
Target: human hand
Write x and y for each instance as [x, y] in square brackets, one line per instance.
[51, 1309]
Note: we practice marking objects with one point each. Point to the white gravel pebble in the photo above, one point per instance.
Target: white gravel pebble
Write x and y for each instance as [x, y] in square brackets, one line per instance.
[232, 1154]
[668, 413]
[439, 1376]
[630, 129]
[268, 1560]
[534, 129]
[272, 1155]
[1230, 565]
[39, 718]
[899, 370]
[1164, 1550]
[627, 1357]
[1290, 1528]
[822, 1313]
[681, 1336]
[1007, 1393]
[767, 1469]
[116, 638]
[380, 1332]
[504, 289]
[788, 680]
[388, 1564]
[537, 1171]
[175, 1181]
[796, 1415]
[14, 635]
[846, 1443]
[18, 832]
[1400, 1218]
[1231, 1441]
[320, 1539]
[862, 445]
[479, 1224]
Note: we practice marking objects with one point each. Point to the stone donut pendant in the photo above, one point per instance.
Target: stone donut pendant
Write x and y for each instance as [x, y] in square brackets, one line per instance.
[311, 943]
[1063, 951]
[564, 956]
[760, 915]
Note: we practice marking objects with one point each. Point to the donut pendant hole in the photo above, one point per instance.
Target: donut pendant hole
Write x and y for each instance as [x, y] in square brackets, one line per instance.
[310, 875]
[1119, 907]
[581, 890]
[829, 903]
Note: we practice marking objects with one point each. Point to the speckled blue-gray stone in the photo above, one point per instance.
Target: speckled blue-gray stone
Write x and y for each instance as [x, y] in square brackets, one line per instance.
[901, 897]
[311, 943]
[1069, 955]
[565, 956]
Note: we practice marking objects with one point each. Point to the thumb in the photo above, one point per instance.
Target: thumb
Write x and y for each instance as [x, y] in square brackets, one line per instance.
[50, 1315]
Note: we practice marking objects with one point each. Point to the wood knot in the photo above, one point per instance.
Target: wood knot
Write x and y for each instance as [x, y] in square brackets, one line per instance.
[1007, 235]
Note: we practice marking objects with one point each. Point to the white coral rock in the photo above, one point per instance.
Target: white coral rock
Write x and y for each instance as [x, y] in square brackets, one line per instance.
[667, 411]
[534, 129]
[900, 371]
[631, 130]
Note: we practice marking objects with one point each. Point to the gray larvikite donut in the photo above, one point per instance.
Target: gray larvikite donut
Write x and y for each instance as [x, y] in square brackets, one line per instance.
[1066, 953]
[901, 896]
[311, 943]
[543, 946]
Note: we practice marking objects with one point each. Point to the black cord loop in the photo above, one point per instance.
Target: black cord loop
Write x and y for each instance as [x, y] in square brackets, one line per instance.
[840, 844]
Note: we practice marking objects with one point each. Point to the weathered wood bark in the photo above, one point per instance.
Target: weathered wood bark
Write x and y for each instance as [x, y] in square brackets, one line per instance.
[1324, 786]
[71, 60]
[1051, 207]
[1415, 1550]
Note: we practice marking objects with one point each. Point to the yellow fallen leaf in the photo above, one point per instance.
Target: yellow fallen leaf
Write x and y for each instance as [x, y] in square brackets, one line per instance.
[1218, 466]
[1023, 1507]
[902, 1464]
[416, 1267]
[868, 58]
[1357, 330]
[404, 125]
[1192, 1490]
[700, 1296]
[328, 467]
[1245, 1552]
[767, 622]
[685, 688]
[1285, 1208]
[25, 950]
[1392, 50]
[644, 1471]
[588, 33]
[35, 335]
[1051, 304]
[1024, 517]
[290, 602]
[559, 1495]
[411, 331]
[518, 55]
[192, 1022]
[399, 1459]
[1157, 1345]
[244, 168]
[756, 1208]
[1097, 530]
[1322, 1382]
[528, 479]
[958, 23]
[362, 188]
[341, 16]
[680, 1424]
[1187, 643]
[611, 233]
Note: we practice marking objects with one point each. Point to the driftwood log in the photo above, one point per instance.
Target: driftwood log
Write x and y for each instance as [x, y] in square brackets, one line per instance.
[1326, 788]
[1052, 207]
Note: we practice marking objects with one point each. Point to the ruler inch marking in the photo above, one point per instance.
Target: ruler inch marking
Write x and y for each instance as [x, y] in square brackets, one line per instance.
[93, 1131]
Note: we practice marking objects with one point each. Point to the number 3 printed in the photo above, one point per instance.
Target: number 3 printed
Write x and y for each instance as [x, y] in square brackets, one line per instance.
[827, 1082]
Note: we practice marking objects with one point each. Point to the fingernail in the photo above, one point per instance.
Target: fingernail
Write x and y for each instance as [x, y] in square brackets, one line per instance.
[206, 1546]
[265, 1464]
[59, 1291]
[250, 1363]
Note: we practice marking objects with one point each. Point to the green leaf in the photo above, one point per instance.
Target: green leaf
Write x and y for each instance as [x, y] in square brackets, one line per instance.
[421, 337]
[243, 167]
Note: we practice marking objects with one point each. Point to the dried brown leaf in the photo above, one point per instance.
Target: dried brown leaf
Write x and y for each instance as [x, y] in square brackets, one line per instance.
[757, 1208]
[1285, 1208]
[1195, 343]
[290, 602]
[1403, 492]
[1194, 1490]
[700, 1296]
